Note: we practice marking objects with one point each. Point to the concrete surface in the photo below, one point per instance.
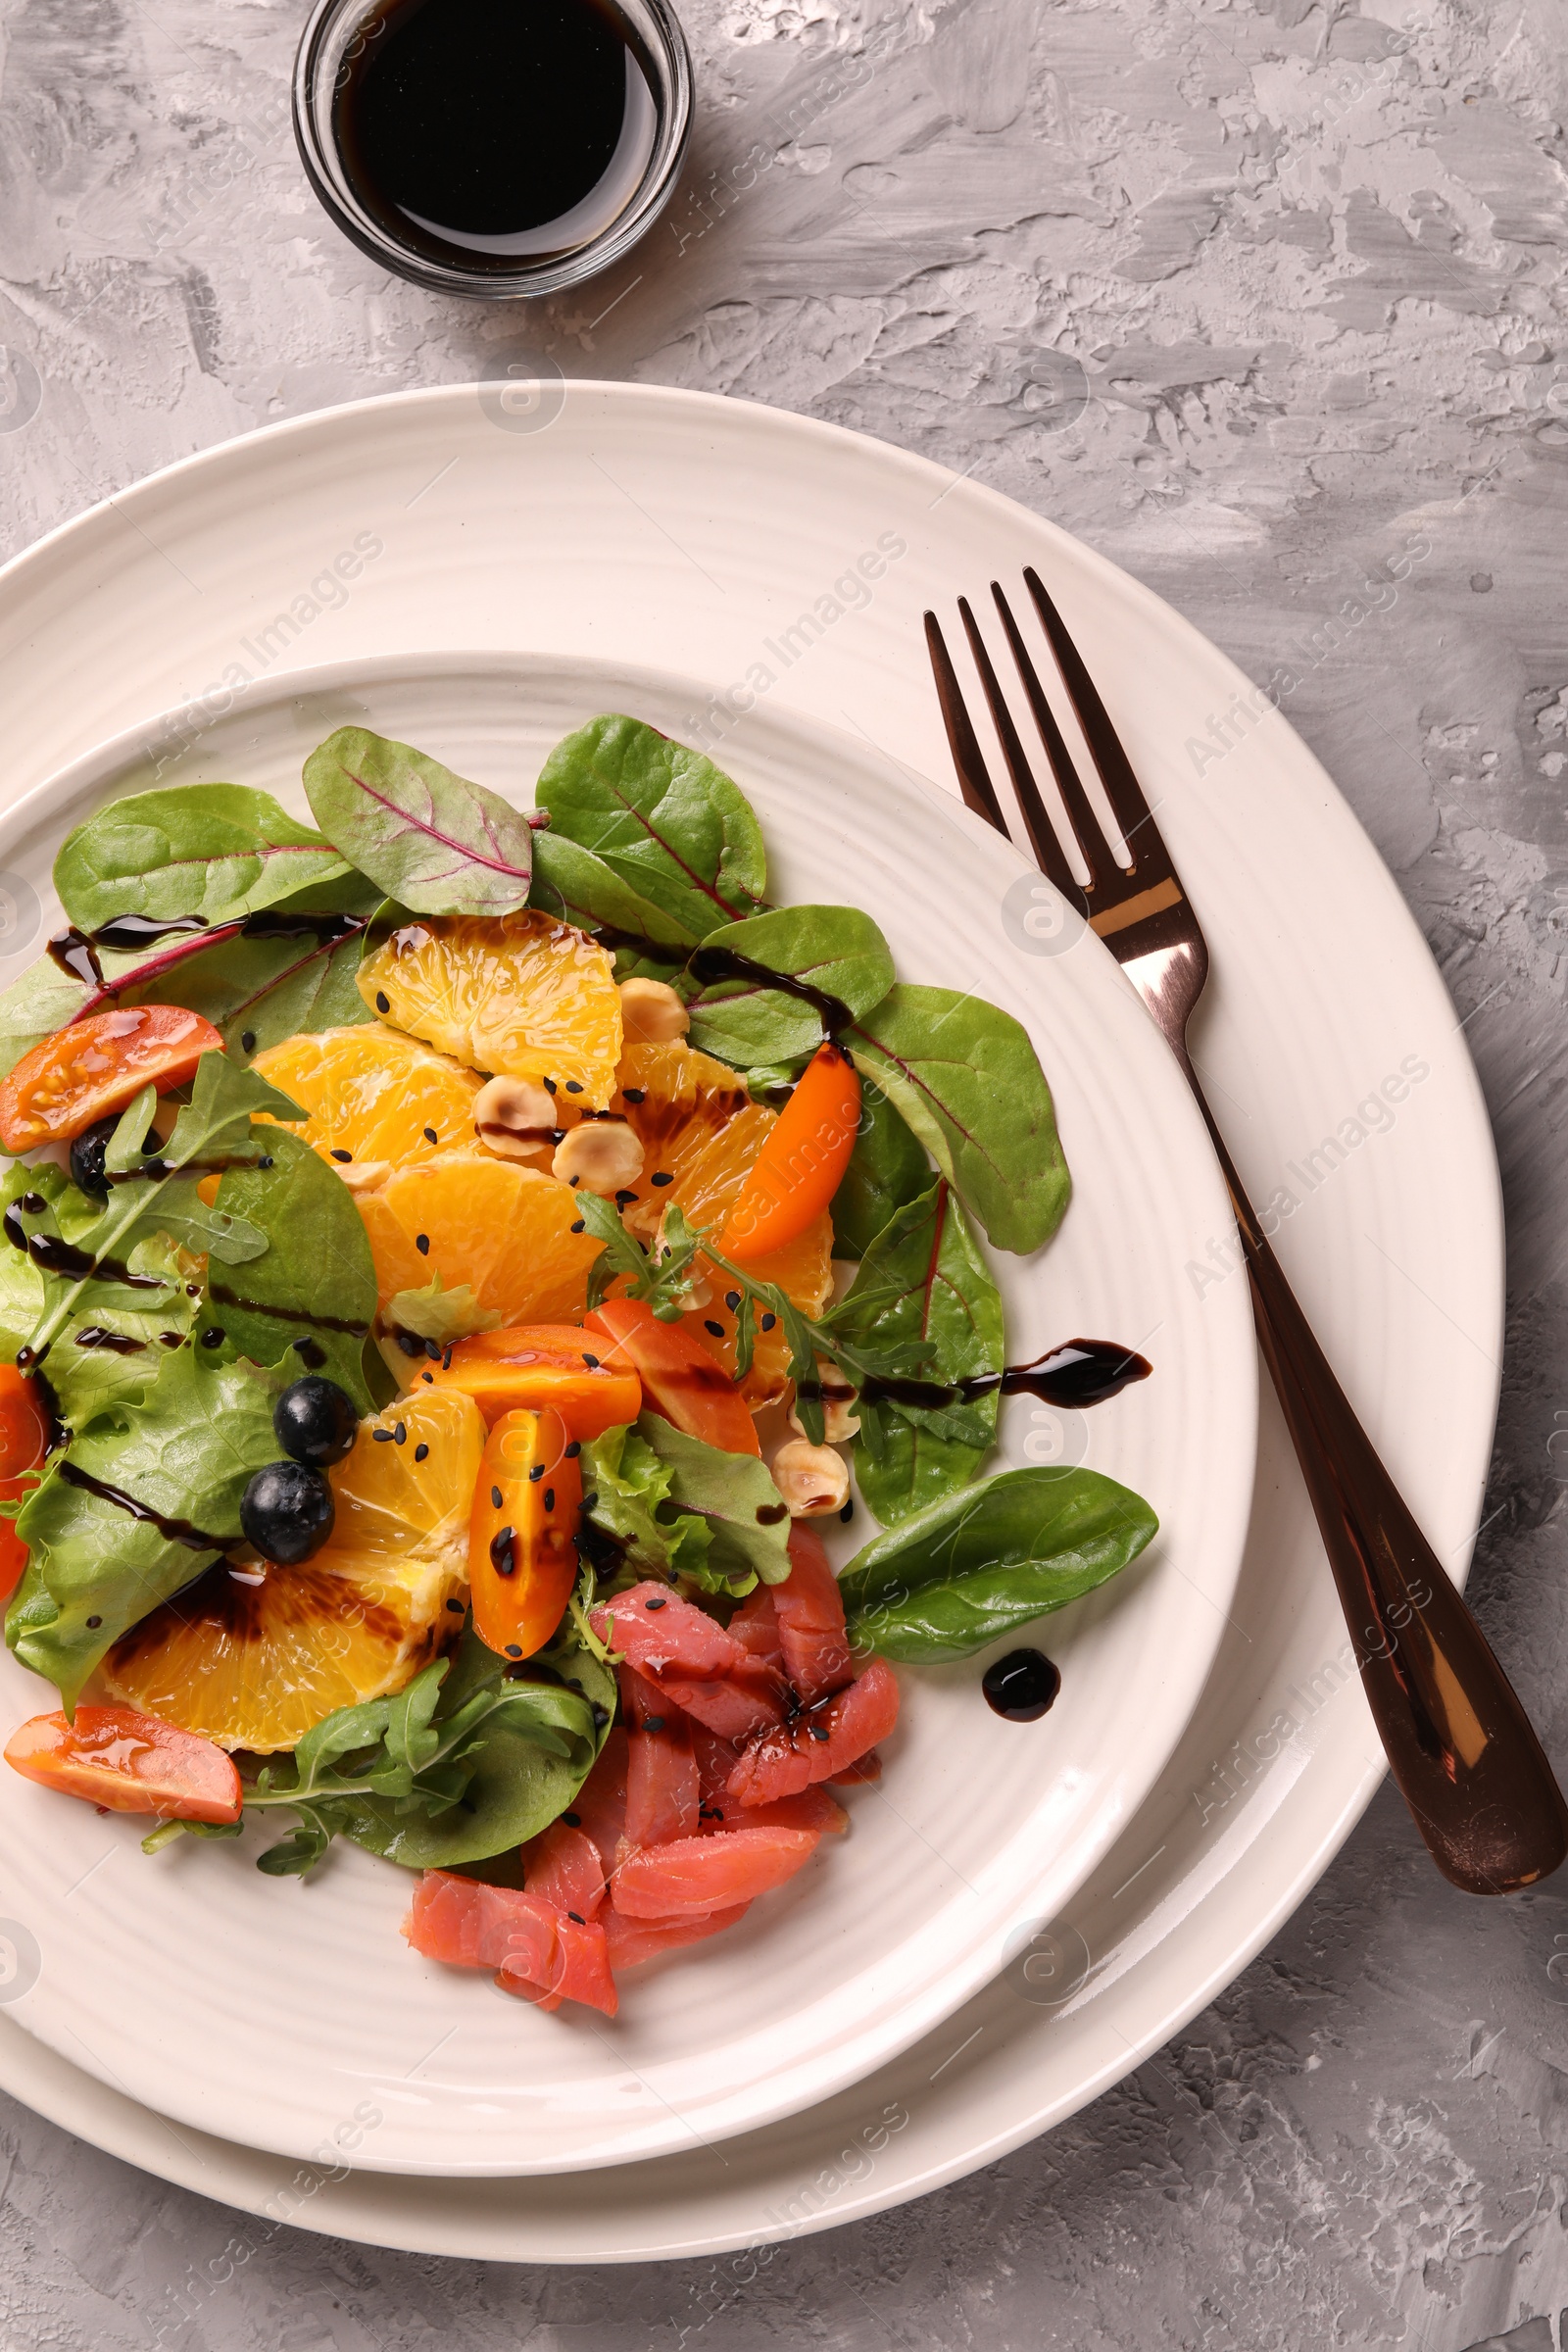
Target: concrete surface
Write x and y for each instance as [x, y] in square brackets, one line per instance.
[1308, 262]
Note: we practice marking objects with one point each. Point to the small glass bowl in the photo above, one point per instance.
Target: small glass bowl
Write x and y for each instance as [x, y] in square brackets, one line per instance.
[325, 48]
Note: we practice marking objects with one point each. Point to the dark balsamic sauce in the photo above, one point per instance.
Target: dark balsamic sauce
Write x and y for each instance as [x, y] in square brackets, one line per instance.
[493, 132]
[1077, 1374]
[114, 1343]
[77, 952]
[286, 1315]
[711, 965]
[172, 1531]
[1022, 1686]
[54, 1256]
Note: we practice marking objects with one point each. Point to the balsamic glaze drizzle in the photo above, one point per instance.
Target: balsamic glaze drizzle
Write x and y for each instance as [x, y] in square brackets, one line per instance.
[172, 1531]
[1077, 1374]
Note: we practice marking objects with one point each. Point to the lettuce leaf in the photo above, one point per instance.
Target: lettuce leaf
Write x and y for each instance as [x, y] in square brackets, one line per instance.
[681, 1508]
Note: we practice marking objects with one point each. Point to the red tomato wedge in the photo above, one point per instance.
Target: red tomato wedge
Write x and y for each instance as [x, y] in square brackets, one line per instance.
[97, 1066]
[662, 1781]
[816, 1747]
[680, 1381]
[562, 1866]
[24, 1424]
[708, 1874]
[128, 1763]
[810, 1612]
[13, 1550]
[522, 1554]
[798, 1169]
[634, 1941]
[691, 1660]
[539, 1364]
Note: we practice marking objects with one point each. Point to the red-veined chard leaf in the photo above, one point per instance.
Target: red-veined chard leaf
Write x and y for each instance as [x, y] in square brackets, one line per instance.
[214, 850]
[430, 838]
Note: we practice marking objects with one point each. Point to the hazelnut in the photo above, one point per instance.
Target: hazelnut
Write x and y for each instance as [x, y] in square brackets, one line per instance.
[811, 1480]
[651, 1013]
[365, 1175]
[516, 1119]
[601, 1155]
[839, 1420]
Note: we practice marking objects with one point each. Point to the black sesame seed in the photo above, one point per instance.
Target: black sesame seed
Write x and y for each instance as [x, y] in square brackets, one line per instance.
[503, 1555]
[550, 1086]
[573, 1821]
[622, 1199]
[654, 1604]
[819, 1731]
[265, 1160]
[550, 1498]
[634, 1094]
[345, 1156]
[592, 1362]
[382, 1437]
[601, 1716]
[430, 1379]
[514, 1650]
[578, 1917]
[432, 1349]
[579, 1225]
[421, 1243]
[589, 1500]
[410, 1342]
[382, 1003]
[431, 1136]
[456, 1606]
[93, 1623]
[662, 1176]
[573, 1449]
[574, 1086]
[446, 1359]
[247, 1041]
[421, 1452]
[536, 1473]
[769, 1322]
[847, 1512]
[494, 1498]
[653, 1723]
[574, 1181]
[213, 1338]
[718, 1329]
[400, 1433]
[732, 1299]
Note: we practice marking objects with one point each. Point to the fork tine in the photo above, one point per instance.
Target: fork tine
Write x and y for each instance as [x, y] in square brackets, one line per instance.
[1096, 850]
[979, 793]
[1042, 833]
[1122, 788]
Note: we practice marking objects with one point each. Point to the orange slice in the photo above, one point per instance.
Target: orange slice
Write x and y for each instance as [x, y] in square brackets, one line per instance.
[707, 1190]
[373, 1096]
[522, 997]
[675, 1100]
[252, 1657]
[504, 1230]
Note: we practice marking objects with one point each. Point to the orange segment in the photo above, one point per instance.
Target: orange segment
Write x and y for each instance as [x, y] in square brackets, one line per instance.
[505, 1231]
[253, 1655]
[675, 1100]
[522, 997]
[707, 1191]
[374, 1094]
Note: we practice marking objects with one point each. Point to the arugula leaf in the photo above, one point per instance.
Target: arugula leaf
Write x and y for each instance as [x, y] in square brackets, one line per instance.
[430, 838]
[967, 1080]
[570, 882]
[268, 990]
[631, 1483]
[437, 1313]
[924, 1280]
[315, 1291]
[887, 1170]
[989, 1559]
[836, 949]
[216, 850]
[664, 820]
[186, 1451]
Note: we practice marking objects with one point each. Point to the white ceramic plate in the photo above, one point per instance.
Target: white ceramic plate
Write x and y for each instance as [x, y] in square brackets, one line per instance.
[691, 531]
[316, 2004]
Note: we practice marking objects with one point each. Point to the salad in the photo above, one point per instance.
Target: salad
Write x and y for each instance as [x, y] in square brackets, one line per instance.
[458, 1263]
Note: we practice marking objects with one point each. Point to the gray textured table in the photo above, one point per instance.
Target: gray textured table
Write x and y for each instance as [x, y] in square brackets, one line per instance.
[1308, 262]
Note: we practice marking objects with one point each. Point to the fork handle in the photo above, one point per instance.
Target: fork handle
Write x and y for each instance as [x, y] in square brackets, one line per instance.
[1462, 1750]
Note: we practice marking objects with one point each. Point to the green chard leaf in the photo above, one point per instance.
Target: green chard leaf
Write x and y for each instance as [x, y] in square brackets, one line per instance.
[924, 1280]
[836, 951]
[570, 882]
[887, 1170]
[312, 1293]
[184, 1452]
[214, 850]
[430, 839]
[266, 989]
[984, 1561]
[681, 1508]
[965, 1077]
[669, 823]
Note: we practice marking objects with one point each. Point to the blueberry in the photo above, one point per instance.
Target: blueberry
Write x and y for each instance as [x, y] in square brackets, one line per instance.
[88, 1156]
[287, 1512]
[315, 1422]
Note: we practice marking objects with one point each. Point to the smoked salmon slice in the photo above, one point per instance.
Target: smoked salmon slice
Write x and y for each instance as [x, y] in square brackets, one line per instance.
[809, 1614]
[708, 1874]
[814, 1747]
[633, 1941]
[692, 1660]
[662, 1777]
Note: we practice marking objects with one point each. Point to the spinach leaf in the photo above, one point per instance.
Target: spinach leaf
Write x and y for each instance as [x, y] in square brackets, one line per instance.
[887, 1170]
[186, 1451]
[989, 1559]
[266, 990]
[631, 1488]
[570, 882]
[215, 1124]
[967, 1080]
[430, 838]
[923, 1279]
[664, 820]
[314, 1291]
[836, 949]
[214, 850]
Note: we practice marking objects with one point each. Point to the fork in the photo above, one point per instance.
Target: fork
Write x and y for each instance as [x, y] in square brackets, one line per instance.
[1462, 1750]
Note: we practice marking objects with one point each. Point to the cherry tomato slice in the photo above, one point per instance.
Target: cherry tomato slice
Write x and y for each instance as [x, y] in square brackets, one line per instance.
[97, 1066]
[798, 1169]
[128, 1763]
[12, 1551]
[522, 1553]
[680, 1380]
[539, 1364]
[23, 1427]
